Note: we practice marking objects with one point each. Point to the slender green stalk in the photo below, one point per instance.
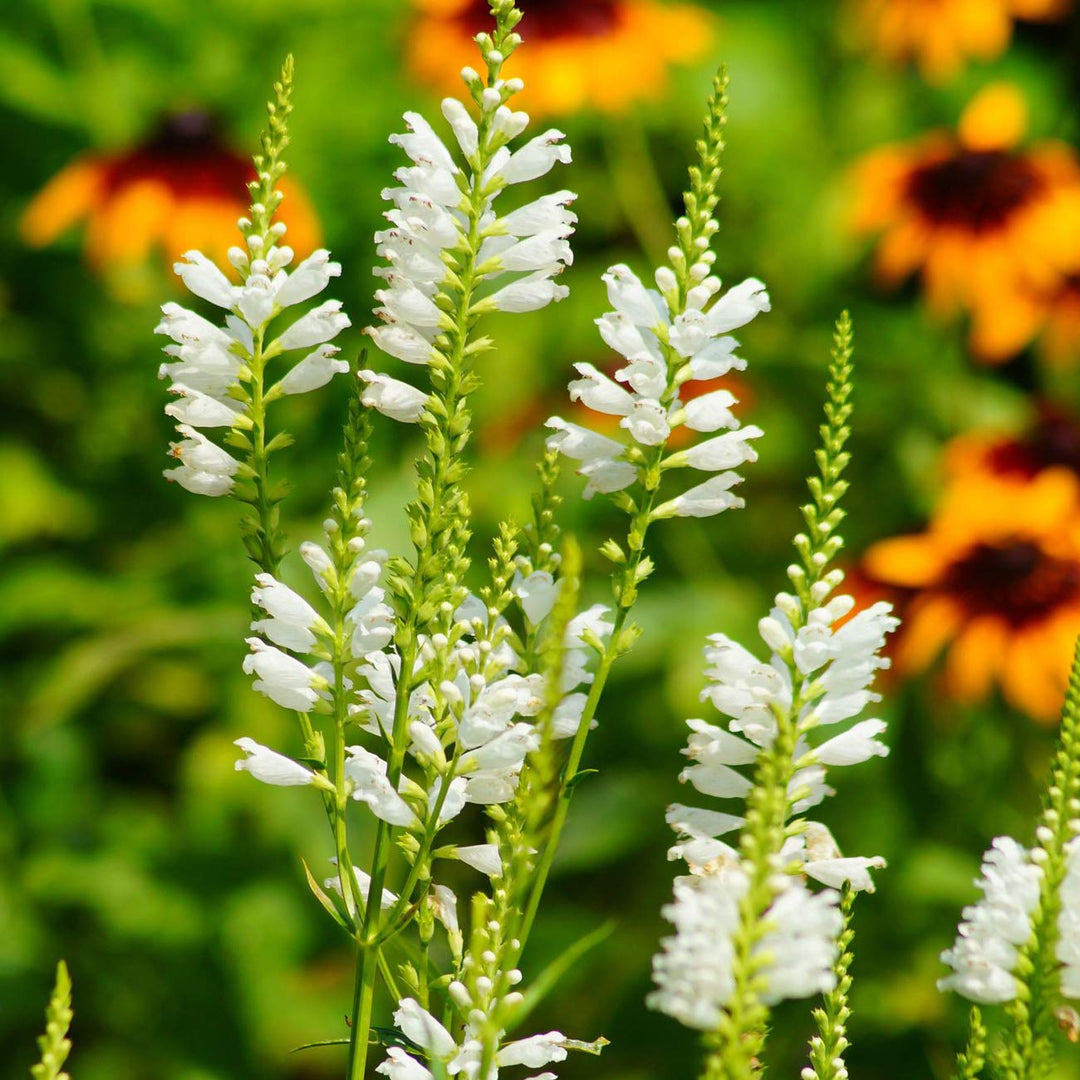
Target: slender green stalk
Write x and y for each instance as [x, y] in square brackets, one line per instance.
[733, 1049]
[54, 1045]
[972, 1060]
[1028, 1053]
[828, 1046]
[430, 590]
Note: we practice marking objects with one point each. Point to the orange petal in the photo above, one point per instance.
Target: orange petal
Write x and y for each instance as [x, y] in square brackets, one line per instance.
[995, 119]
[975, 658]
[908, 561]
[67, 198]
[930, 622]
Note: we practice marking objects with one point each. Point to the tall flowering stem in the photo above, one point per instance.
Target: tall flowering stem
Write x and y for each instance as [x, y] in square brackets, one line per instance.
[971, 1061]
[220, 374]
[1019, 946]
[445, 244]
[749, 933]
[54, 1046]
[828, 1046]
[667, 337]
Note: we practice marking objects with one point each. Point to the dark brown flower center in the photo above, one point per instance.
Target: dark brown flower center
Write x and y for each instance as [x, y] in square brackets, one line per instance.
[1018, 581]
[187, 153]
[1054, 440]
[976, 189]
[553, 18]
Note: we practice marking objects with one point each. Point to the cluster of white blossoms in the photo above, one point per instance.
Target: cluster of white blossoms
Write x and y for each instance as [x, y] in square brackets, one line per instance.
[438, 1046]
[988, 942]
[210, 365]
[662, 352]
[830, 670]
[445, 233]
[796, 954]
[473, 752]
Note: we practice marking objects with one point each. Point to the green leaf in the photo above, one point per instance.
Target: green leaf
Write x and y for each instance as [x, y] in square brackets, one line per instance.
[546, 981]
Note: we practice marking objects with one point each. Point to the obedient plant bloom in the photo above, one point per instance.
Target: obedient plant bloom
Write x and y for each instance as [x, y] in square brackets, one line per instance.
[995, 582]
[679, 331]
[749, 931]
[940, 35]
[987, 948]
[1019, 945]
[218, 370]
[582, 54]
[181, 188]
[437, 1045]
[990, 227]
[694, 972]
[446, 197]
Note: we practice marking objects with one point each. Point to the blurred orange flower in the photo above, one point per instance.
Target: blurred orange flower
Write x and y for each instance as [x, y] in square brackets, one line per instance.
[992, 229]
[1052, 439]
[996, 584]
[939, 35]
[578, 54]
[182, 189]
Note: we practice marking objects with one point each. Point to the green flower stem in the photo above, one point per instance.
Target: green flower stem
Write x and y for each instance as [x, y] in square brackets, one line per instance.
[264, 543]
[971, 1062]
[828, 1046]
[618, 643]
[1029, 1053]
[732, 1050]
[54, 1045]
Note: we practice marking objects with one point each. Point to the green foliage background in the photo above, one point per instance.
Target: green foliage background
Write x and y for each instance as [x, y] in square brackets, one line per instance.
[127, 843]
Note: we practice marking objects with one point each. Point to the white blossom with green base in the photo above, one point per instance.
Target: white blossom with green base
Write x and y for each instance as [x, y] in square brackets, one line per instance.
[219, 374]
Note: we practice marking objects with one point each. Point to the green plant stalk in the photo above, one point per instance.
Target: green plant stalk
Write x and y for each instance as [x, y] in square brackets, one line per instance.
[452, 397]
[732, 1050]
[828, 1046]
[54, 1045]
[971, 1062]
[1029, 1054]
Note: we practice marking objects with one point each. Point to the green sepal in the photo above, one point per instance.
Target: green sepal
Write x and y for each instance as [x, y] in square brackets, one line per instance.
[340, 916]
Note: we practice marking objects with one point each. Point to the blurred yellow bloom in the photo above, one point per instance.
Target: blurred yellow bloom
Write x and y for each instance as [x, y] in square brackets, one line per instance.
[940, 35]
[578, 54]
[992, 229]
[996, 583]
[182, 189]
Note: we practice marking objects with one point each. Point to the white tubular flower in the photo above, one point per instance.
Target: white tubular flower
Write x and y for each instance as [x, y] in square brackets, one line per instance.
[705, 500]
[536, 594]
[400, 1066]
[433, 227]
[392, 397]
[205, 469]
[283, 679]
[314, 371]
[271, 767]
[323, 323]
[293, 621]
[422, 1029]
[387, 900]
[693, 971]
[1068, 946]
[210, 371]
[985, 952]
[663, 348]
[367, 773]
[482, 857]
[535, 1051]
[801, 943]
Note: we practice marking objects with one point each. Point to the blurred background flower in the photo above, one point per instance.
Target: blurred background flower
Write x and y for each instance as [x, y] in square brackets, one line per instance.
[989, 227]
[595, 55]
[180, 189]
[942, 35]
[127, 843]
